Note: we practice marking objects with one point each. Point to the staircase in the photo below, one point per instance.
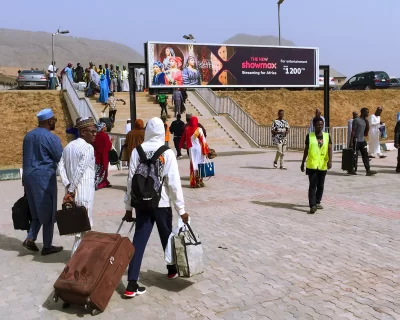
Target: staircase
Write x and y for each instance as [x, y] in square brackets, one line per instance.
[146, 108]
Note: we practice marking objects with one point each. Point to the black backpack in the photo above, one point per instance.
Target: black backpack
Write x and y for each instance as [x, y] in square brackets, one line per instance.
[146, 185]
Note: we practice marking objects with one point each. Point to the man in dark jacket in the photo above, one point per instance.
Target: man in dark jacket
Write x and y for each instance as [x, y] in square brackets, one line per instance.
[397, 144]
[176, 128]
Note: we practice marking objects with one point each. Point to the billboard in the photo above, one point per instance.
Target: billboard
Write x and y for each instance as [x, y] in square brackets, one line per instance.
[226, 65]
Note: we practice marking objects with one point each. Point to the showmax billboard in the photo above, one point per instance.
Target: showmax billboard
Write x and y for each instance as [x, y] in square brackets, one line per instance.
[226, 65]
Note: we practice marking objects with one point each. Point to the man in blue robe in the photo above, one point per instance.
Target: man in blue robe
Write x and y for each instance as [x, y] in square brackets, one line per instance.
[42, 151]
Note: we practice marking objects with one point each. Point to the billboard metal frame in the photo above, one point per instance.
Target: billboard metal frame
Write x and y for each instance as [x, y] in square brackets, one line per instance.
[149, 80]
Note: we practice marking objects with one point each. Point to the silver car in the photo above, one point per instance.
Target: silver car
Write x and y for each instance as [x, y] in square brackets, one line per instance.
[33, 79]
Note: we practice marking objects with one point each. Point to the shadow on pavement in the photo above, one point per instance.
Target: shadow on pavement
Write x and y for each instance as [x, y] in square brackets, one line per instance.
[160, 280]
[78, 311]
[263, 168]
[13, 244]
[116, 187]
[291, 206]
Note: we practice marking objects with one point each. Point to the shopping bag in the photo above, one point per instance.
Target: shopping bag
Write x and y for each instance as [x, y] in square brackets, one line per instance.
[188, 252]
[206, 169]
[169, 255]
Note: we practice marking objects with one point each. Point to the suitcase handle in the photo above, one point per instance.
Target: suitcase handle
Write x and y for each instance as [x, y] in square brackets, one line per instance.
[130, 229]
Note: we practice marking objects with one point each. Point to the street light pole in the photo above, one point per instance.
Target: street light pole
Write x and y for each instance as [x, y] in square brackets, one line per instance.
[279, 19]
[52, 47]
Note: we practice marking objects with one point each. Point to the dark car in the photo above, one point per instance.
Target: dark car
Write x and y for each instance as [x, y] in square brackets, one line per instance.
[368, 80]
[33, 79]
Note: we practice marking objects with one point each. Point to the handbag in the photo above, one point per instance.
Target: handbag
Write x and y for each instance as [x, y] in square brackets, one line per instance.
[206, 169]
[21, 214]
[188, 252]
[113, 157]
[123, 156]
[72, 219]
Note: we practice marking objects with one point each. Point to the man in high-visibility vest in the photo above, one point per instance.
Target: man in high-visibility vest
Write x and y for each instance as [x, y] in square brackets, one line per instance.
[318, 153]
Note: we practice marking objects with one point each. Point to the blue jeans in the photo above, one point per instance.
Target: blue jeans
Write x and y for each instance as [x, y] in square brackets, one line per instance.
[143, 228]
[52, 83]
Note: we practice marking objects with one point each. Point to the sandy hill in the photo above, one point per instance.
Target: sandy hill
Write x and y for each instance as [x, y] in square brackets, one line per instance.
[25, 105]
[258, 40]
[33, 49]
[300, 106]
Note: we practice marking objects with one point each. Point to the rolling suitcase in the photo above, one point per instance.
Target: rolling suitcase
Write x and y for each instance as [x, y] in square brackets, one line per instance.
[348, 156]
[95, 270]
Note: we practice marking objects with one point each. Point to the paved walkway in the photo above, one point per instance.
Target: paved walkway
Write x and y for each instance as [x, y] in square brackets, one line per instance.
[266, 258]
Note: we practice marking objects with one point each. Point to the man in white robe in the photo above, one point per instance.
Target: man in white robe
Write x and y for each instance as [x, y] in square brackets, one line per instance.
[374, 146]
[125, 80]
[77, 170]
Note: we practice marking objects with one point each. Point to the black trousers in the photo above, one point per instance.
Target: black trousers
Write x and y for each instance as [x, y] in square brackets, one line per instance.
[398, 159]
[316, 188]
[144, 225]
[176, 144]
[111, 115]
[362, 147]
[163, 106]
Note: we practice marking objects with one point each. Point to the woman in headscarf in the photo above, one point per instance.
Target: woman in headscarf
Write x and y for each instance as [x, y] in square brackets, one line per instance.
[197, 146]
[169, 53]
[103, 89]
[134, 137]
[190, 74]
[159, 75]
[102, 145]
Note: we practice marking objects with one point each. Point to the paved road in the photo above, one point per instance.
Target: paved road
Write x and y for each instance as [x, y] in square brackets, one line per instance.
[266, 258]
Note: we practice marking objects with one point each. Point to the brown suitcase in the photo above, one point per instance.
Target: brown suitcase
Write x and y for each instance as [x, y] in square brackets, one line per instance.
[95, 270]
[72, 219]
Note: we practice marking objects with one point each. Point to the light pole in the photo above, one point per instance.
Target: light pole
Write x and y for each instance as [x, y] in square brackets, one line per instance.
[279, 19]
[52, 46]
[189, 37]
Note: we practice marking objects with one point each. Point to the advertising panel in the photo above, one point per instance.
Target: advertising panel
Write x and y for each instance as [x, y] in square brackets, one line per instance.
[225, 65]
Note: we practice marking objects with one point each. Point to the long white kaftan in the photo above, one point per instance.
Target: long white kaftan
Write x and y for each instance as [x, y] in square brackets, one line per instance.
[373, 135]
[195, 152]
[125, 81]
[77, 170]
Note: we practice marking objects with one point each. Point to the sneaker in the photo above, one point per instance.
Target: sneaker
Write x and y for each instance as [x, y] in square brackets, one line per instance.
[313, 210]
[51, 250]
[352, 173]
[319, 207]
[133, 289]
[283, 168]
[371, 173]
[179, 158]
[172, 276]
[30, 245]
[275, 165]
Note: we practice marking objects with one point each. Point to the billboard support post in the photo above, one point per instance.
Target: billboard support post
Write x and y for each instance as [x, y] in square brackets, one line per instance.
[132, 88]
[326, 95]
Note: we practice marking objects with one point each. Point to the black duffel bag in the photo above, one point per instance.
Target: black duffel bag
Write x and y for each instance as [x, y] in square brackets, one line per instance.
[21, 214]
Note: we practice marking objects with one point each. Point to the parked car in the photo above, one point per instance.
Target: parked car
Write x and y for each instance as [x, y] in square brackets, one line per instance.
[33, 79]
[332, 83]
[368, 80]
[395, 83]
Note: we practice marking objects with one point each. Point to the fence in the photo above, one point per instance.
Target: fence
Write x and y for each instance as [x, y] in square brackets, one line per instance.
[80, 106]
[260, 134]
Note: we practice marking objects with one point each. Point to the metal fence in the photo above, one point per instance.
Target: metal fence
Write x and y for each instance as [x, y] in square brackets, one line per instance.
[260, 134]
[81, 105]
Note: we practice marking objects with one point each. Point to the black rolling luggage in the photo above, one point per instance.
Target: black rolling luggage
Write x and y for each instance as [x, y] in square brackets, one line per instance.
[348, 160]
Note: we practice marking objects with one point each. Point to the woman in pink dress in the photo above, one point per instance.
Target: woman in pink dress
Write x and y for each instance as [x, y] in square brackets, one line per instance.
[174, 73]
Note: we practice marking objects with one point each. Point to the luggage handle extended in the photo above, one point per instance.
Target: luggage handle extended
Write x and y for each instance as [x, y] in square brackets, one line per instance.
[130, 229]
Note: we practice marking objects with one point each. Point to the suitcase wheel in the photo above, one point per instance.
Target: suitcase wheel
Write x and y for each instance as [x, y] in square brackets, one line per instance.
[55, 298]
[95, 312]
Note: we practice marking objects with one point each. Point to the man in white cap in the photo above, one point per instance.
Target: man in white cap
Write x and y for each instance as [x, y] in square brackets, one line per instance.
[77, 170]
[42, 151]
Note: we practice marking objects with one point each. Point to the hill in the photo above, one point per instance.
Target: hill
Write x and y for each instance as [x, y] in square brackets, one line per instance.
[257, 40]
[33, 49]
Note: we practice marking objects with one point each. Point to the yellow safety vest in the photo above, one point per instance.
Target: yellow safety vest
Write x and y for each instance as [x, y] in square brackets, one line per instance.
[318, 157]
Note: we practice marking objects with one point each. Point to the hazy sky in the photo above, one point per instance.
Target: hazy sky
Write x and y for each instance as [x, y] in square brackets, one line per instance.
[353, 35]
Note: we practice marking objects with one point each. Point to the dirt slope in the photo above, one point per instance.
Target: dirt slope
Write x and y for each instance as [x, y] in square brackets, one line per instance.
[300, 106]
[19, 117]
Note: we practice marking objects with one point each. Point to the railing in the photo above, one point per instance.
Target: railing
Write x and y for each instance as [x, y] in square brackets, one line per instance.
[260, 134]
[81, 107]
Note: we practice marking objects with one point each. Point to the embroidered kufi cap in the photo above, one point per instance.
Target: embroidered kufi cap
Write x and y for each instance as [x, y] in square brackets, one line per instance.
[85, 122]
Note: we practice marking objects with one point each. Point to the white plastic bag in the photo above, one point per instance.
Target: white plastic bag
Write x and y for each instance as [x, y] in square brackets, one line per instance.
[169, 255]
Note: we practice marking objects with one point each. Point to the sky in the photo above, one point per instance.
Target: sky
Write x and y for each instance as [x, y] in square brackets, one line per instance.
[353, 35]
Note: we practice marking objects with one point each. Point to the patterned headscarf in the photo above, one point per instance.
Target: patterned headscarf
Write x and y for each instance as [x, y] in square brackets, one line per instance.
[100, 126]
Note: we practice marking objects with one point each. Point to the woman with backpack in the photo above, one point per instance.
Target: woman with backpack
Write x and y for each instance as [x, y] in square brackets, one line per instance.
[196, 144]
